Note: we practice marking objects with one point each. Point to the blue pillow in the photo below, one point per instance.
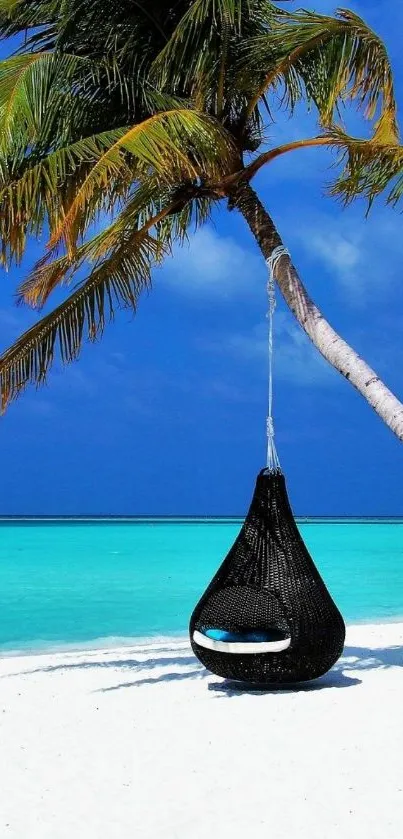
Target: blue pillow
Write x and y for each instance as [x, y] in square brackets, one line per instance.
[244, 635]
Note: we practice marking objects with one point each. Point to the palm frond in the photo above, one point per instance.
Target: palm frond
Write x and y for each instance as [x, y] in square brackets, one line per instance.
[124, 256]
[42, 192]
[326, 59]
[116, 282]
[72, 185]
[149, 205]
[19, 98]
[46, 100]
[20, 16]
[200, 53]
[369, 168]
[143, 208]
[176, 145]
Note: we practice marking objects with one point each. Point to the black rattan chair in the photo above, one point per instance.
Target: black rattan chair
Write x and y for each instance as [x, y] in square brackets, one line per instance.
[267, 616]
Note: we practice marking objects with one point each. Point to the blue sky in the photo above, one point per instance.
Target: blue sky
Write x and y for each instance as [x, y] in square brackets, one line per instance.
[167, 414]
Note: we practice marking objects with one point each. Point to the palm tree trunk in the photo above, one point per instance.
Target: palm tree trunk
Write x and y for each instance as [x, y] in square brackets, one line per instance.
[333, 348]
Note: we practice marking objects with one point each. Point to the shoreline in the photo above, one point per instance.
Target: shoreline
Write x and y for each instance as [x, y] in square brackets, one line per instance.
[375, 633]
[169, 640]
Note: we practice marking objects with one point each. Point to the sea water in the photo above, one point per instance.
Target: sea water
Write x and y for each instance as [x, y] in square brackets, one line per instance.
[98, 582]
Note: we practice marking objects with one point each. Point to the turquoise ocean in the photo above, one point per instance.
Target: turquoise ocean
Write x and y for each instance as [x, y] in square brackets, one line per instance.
[69, 583]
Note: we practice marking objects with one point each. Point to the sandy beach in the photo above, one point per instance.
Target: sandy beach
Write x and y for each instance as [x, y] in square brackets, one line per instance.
[141, 741]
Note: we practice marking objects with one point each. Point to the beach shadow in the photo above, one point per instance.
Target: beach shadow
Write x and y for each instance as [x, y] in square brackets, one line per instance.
[200, 673]
[227, 687]
[127, 663]
[330, 680]
[353, 659]
[366, 658]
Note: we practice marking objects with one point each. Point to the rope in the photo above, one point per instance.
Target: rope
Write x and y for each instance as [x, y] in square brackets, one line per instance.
[272, 262]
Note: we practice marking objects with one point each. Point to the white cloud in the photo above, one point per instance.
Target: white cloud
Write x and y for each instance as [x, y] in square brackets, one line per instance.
[295, 358]
[363, 256]
[343, 255]
[213, 266]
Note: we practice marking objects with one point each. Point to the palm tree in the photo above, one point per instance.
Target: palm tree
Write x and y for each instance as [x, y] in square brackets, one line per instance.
[146, 115]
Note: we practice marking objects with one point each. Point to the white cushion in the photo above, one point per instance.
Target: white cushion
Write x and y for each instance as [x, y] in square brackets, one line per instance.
[241, 646]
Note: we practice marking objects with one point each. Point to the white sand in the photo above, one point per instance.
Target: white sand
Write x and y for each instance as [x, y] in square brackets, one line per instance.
[142, 742]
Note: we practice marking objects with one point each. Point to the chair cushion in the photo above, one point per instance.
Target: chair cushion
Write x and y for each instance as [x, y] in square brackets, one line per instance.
[243, 641]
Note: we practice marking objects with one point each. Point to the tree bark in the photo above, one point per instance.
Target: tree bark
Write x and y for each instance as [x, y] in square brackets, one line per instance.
[331, 346]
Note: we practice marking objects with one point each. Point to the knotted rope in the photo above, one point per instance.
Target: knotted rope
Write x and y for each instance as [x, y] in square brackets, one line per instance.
[272, 262]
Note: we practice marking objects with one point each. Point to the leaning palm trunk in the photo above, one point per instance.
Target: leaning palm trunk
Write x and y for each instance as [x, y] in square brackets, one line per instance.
[333, 348]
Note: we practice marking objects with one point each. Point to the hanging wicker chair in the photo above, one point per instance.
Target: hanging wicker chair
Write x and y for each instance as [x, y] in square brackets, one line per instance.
[267, 616]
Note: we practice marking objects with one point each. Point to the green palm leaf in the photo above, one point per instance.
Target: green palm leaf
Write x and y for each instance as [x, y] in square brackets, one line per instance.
[327, 59]
[196, 58]
[116, 282]
[19, 15]
[370, 167]
[124, 255]
[73, 184]
[177, 145]
[36, 100]
[147, 204]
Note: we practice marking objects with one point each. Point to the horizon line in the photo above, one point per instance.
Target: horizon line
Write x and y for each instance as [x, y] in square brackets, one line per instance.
[184, 517]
